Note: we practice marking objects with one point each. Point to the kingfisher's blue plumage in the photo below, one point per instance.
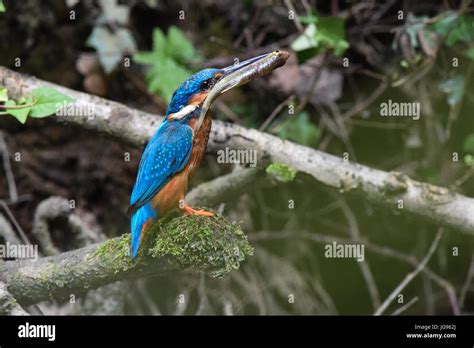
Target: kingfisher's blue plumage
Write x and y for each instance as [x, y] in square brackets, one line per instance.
[166, 154]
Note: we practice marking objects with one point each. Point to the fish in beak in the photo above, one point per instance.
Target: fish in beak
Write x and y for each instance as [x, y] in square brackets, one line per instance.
[241, 73]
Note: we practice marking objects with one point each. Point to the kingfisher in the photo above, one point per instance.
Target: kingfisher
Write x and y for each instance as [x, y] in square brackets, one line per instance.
[175, 151]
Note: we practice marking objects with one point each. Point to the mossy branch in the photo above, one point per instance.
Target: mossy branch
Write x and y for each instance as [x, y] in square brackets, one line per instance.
[213, 245]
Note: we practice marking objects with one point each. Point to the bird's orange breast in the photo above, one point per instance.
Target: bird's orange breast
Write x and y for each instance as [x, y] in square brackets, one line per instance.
[169, 197]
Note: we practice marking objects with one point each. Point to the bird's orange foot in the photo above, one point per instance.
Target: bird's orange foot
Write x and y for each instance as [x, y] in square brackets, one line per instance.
[188, 210]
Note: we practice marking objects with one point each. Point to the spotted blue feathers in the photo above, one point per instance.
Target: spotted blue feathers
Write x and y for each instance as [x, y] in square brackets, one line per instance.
[165, 155]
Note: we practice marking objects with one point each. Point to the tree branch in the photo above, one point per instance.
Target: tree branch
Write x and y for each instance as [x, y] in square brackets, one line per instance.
[213, 245]
[8, 304]
[433, 203]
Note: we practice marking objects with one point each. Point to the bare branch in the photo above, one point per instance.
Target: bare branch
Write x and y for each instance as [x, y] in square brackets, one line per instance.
[433, 203]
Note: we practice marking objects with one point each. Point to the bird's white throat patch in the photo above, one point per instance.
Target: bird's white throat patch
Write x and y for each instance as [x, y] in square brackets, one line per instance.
[183, 112]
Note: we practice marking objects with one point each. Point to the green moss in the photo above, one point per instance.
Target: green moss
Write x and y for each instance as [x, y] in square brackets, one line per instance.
[116, 253]
[281, 172]
[210, 244]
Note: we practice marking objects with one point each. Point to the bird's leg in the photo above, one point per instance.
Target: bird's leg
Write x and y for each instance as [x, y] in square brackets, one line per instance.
[190, 211]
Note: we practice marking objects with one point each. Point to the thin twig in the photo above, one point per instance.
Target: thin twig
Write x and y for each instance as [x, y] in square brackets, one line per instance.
[364, 266]
[378, 249]
[8, 170]
[406, 306]
[467, 284]
[410, 276]
[15, 223]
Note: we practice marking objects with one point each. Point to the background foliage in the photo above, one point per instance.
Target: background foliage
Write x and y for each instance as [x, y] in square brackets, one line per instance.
[347, 58]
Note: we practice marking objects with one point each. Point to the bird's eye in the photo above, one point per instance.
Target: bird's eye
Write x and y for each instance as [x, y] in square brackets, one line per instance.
[206, 84]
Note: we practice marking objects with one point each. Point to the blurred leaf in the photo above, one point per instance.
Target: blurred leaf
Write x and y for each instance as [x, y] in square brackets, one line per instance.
[455, 28]
[2, 6]
[454, 88]
[179, 47]
[111, 46]
[281, 172]
[444, 25]
[470, 52]
[301, 130]
[166, 60]
[323, 33]
[305, 40]
[19, 114]
[311, 19]
[469, 144]
[47, 101]
[469, 160]
[114, 12]
[71, 3]
[414, 24]
[3, 94]
[331, 34]
[145, 57]
[159, 43]
[164, 78]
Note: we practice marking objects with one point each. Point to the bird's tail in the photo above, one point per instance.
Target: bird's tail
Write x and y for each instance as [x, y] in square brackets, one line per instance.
[139, 218]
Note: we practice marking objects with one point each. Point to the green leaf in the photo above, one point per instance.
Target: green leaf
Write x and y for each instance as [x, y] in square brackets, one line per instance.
[159, 43]
[2, 6]
[462, 32]
[165, 77]
[444, 25]
[145, 58]
[179, 47]
[311, 19]
[325, 33]
[306, 40]
[47, 101]
[166, 71]
[454, 88]
[331, 34]
[301, 130]
[456, 28]
[469, 144]
[19, 114]
[281, 172]
[3, 94]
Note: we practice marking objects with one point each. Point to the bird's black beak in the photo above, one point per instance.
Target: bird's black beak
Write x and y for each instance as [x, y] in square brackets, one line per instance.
[239, 65]
[241, 73]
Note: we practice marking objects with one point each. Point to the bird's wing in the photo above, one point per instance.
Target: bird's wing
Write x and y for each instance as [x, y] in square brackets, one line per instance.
[165, 155]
